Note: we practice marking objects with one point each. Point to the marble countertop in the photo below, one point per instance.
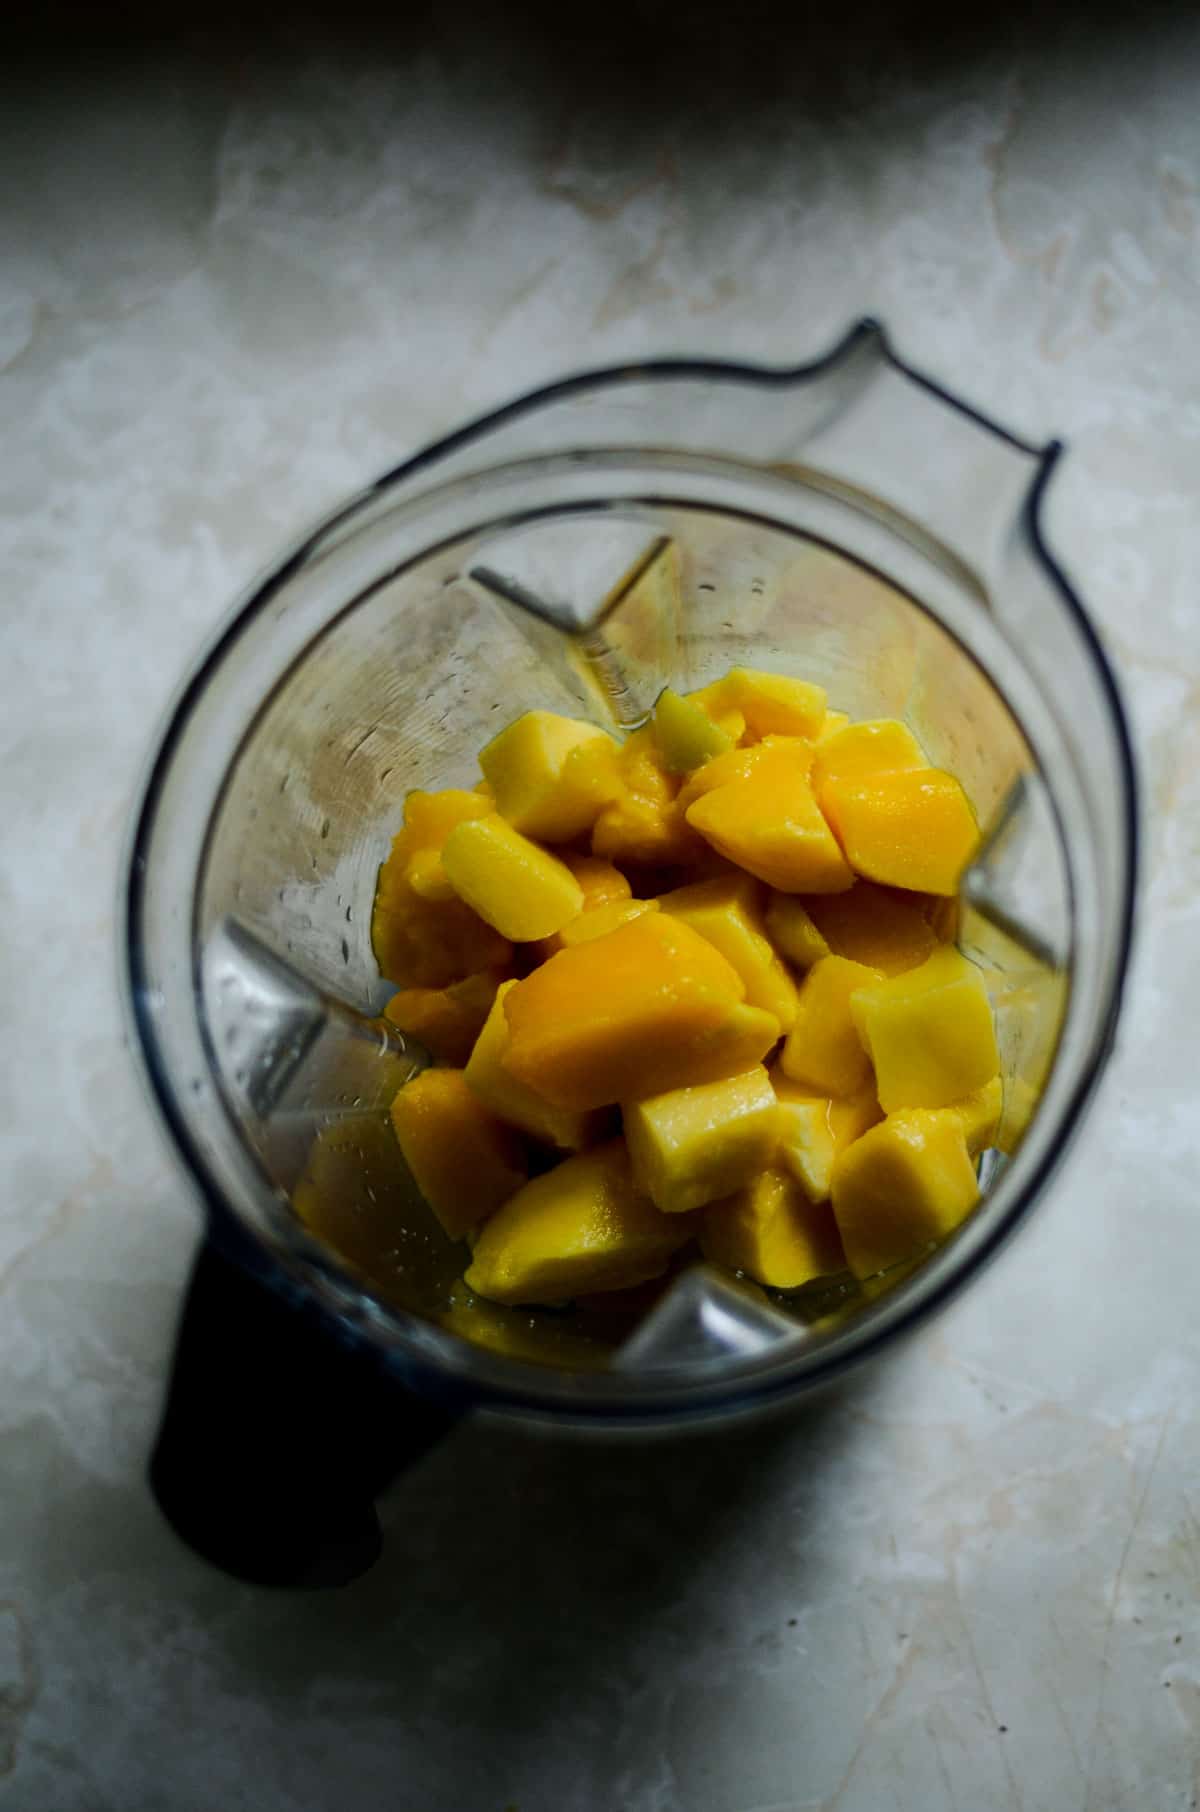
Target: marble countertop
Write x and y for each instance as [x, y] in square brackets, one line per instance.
[237, 280]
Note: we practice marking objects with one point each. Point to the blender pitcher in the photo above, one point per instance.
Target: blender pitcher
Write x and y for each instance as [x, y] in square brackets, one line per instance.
[846, 521]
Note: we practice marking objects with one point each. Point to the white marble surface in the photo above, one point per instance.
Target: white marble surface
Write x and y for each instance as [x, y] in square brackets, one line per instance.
[234, 284]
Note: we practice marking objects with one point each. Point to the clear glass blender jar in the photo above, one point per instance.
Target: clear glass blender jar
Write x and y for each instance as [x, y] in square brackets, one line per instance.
[846, 521]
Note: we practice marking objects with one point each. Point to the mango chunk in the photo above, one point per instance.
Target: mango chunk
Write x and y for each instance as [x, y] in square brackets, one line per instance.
[583, 1227]
[462, 1159]
[425, 942]
[640, 830]
[901, 1188]
[489, 1078]
[535, 786]
[815, 1129]
[773, 703]
[769, 1230]
[430, 817]
[911, 828]
[835, 722]
[793, 930]
[646, 1008]
[512, 883]
[600, 883]
[691, 1145]
[447, 1021]
[930, 1032]
[824, 1050]
[685, 734]
[738, 764]
[769, 823]
[979, 1115]
[879, 926]
[600, 920]
[878, 745]
[727, 912]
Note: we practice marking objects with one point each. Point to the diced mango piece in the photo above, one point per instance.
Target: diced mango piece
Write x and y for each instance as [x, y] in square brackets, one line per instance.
[770, 824]
[600, 884]
[643, 824]
[911, 828]
[463, 1160]
[930, 1032]
[425, 942]
[793, 931]
[691, 1145]
[641, 1010]
[511, 882]
[534, 784]
[640, 830]
[815, 1129]
[824, 1050]
[516, 1334]
[835, 722]
[719, 711]
[427, 877]
[489, 1077]
[430, 817]
[902, 1187]
[583, 1227]
[447, 1021]
[979, 1115]
[431, 943]
[878, 745]
[600, 920]
[738, 764]
[727, 912]
[769, 1230]
[880, 926]
[685, 734]
[773, 703]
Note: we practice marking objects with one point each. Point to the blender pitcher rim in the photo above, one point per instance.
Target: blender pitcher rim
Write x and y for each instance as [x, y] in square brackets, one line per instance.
[516, 1384]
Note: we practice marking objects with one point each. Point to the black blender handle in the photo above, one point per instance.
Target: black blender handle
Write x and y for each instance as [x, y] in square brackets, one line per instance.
[276, 1437]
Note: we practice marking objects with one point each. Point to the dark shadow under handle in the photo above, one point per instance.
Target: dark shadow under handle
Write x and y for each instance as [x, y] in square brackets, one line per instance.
[276, 1438]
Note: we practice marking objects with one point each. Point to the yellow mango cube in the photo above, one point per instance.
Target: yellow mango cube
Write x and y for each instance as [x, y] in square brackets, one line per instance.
[773, 703]
[598, 921]
[648, 831]
[726, 911]
[446, 1021]
[600, 883]
[876, 746]
[648, 1007]
[427, 877]
[880, 926]
[901, 1188]
[835, 722]
[685, 734]
[912, 828]
[930, 1032]
[824, 1050]
[535, 788]
[423, 942]
[793, 930]
[772, 1232]
[582, 1227]
[488, 1076]
[815, 1129]
[979, 1115]
[691, 1145]
[739, 764]
[463, 1160]
[511, 882]
[769, 823]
